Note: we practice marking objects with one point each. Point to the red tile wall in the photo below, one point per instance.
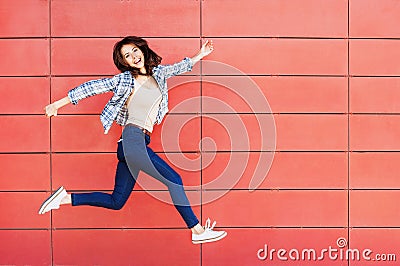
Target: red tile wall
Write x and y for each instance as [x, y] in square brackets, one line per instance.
[305, 91]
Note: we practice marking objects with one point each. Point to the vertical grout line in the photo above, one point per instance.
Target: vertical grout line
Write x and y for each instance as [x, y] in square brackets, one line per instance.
[348, 126]
[201, 128]
[51, 148]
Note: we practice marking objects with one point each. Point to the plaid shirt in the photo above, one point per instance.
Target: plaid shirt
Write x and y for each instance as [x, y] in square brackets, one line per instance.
[121, 85]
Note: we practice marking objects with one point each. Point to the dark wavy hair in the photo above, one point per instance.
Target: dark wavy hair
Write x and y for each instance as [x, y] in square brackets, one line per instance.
[151, 59]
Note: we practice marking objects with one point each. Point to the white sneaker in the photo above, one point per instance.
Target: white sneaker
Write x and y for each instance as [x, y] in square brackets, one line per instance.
[53, 202]
[209, 235]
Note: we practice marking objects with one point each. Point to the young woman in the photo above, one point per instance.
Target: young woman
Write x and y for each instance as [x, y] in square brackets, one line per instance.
[140, 101]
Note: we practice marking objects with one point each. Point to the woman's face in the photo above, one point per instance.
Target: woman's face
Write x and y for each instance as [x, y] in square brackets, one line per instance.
[133, 56]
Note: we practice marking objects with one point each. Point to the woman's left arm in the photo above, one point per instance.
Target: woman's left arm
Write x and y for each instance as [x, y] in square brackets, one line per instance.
[186, 64]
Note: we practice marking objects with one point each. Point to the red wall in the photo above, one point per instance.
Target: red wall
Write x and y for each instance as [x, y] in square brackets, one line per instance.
[329, 69]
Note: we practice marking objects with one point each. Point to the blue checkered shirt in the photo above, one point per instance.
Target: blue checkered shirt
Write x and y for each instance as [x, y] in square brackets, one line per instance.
[121, 85]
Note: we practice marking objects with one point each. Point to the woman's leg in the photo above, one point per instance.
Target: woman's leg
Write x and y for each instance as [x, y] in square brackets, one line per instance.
[173, 181]
[124, 183]
[139, 156]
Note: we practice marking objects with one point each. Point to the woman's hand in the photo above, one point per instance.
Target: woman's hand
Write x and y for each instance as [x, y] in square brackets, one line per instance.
[51, 110]
[207, 48]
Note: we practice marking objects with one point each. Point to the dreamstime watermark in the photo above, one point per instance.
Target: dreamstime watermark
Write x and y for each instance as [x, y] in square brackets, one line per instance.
[260, 136]
[339, 252]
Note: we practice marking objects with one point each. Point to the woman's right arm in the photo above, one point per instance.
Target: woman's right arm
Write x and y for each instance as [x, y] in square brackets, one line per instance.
[85, 90]
[52, 108]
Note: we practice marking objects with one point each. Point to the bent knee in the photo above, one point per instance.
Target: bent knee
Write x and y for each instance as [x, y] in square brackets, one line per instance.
[175, 180]
[118, 203]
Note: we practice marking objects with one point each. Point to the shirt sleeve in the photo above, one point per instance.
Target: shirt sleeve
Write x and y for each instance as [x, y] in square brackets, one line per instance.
[92, 87]
[178, 68]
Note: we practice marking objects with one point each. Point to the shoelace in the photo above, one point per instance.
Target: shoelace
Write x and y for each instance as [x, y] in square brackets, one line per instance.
[207, 225]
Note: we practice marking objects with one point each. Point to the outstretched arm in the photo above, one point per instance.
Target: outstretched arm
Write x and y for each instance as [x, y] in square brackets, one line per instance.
[85, 90]
[52, 108]
[187, 63]
[205, 50]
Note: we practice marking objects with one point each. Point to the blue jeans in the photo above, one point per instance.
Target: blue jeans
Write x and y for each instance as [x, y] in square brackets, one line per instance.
[133, 156]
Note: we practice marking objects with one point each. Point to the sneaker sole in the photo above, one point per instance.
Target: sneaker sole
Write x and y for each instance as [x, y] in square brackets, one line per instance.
[210, 239]
[50, 199]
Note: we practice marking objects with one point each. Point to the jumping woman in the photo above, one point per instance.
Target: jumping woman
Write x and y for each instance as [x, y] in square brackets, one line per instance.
[140, 101]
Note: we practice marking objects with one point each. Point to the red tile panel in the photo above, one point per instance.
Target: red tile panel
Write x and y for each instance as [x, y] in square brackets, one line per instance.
[97, 171]
[374, 95]
[238, 132]
[233, 94]
[375, 57]
[276, 94]
[20, 210]
[374, 208]
[126, 18]
[374, 170]
[374, 133]
[24, 134]
[308, 170]
[82, 56]
[24, 95]
[311, 132]
[184, 94]
[24, 172]
[278, 56]
[382, 242]
[277, 208]
[85, 56]
[177, 133]
[142, 210]
[242, 246]
[24, 18]
[374, 18]
[24, 57]
[124, 247]
[25, 247]
[83, 134]
[288, 170]
[308, 18]
[305, 94]
[90, 171]
[92, 105]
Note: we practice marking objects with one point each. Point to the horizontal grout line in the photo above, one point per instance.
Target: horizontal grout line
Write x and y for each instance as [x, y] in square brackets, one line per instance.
[26, 76]
[199, 114]
[209, 75]
[206, 151]
[184, 228]
[273, 189]
[301, 38]
[375, 189]
[52, 37]
[374, 114]
[42, 37]
[25, 229]
[220, 189]
[375, 227]
[24, 153]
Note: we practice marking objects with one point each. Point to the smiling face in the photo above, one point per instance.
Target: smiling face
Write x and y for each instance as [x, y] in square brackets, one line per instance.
[133, 56]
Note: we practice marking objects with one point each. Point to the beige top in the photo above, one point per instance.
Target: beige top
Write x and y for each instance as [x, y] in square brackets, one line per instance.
[143, 105]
